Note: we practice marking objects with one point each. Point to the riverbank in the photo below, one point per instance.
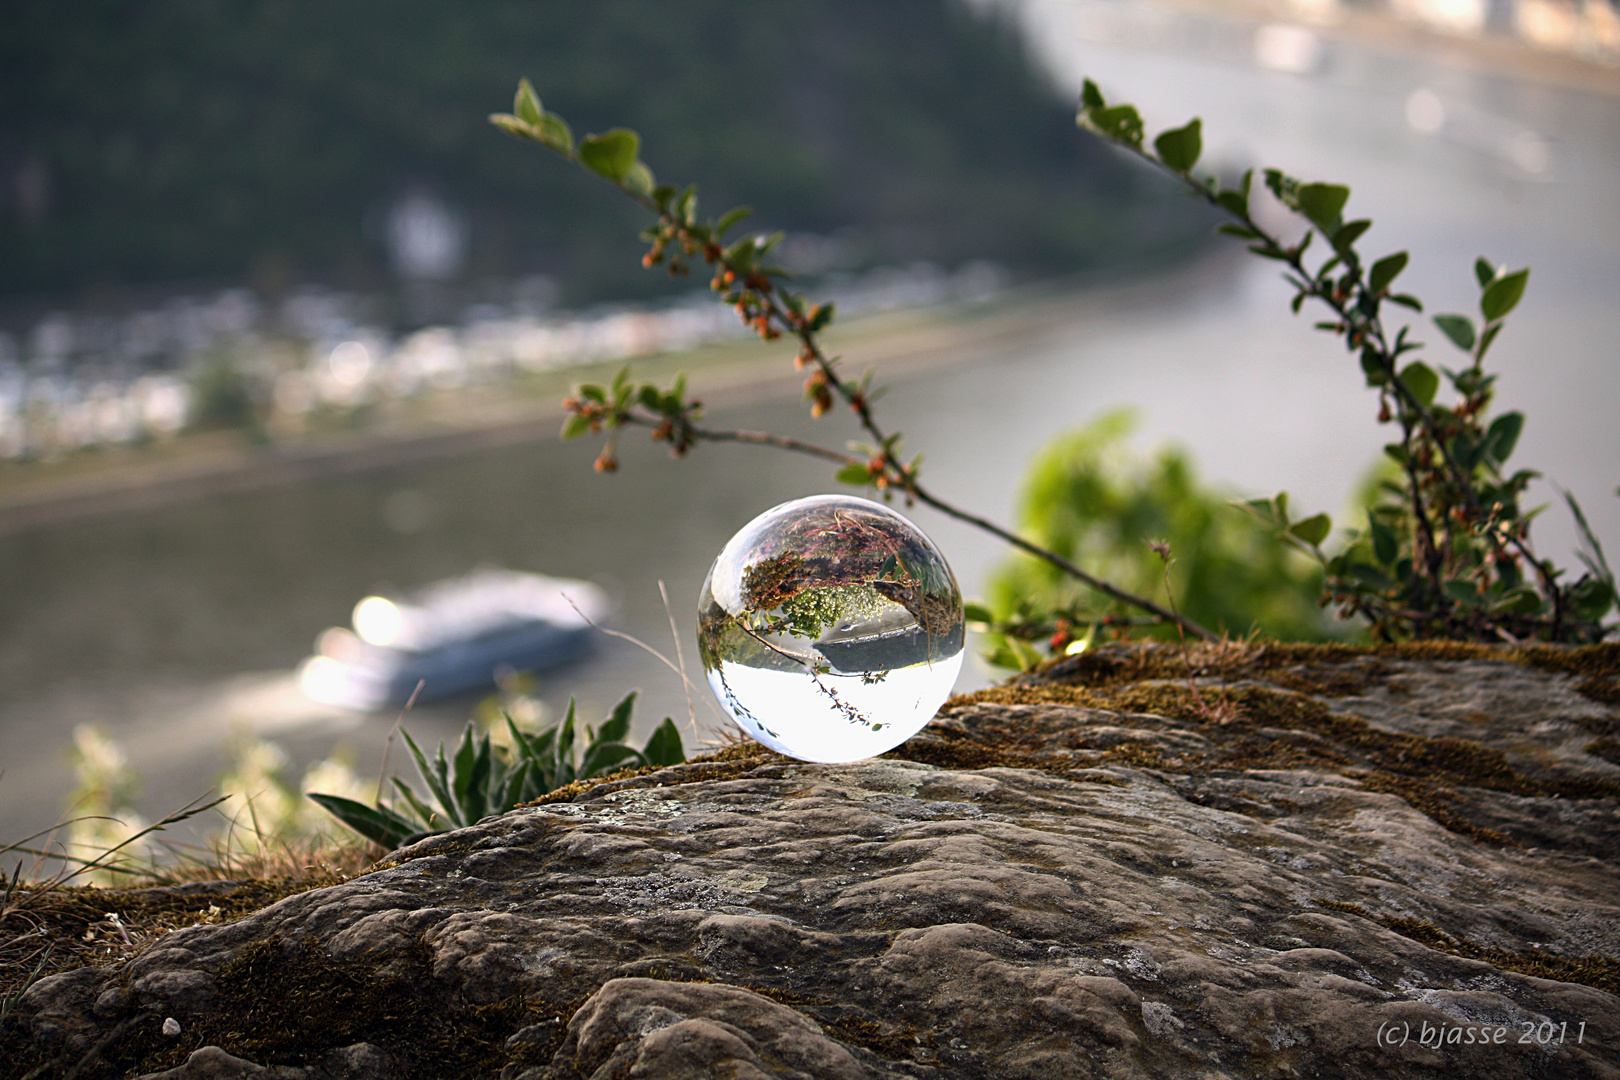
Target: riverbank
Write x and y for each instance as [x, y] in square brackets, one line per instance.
[194, 465]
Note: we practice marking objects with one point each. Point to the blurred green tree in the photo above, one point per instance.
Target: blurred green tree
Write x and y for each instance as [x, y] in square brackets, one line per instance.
[223, 139]
[1096, 500]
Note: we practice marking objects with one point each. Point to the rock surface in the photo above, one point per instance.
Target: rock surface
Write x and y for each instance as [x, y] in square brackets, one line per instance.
[1308, 863]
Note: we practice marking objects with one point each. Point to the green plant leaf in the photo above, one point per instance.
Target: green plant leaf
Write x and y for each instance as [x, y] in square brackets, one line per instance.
[1372, 365]
[433, 776]
[514, 126]
[575, 426]
[1242, 232]
[1349, 233]
[610, 154]
[1313, 530]
[1421, 380]
[554, 131]
[1503, 294]
[1484, 272]
[1462, 591]
[617, 725]
[1590, 599]
[664, 745]
[1090, 96]
[1520, 601]
[1459, 328]
[1406, 300]
[856, 474]
[1386, 270]
[605, 757]
[730, 218]
[1323, 204]
[1503, 435]
[512, 793]
[1179, 148]
[977, 613]
[375, 823]
[1384, 545]
[428, 818]
[526, 105]
[639, 178]
[1371, 576]
[1122, 123]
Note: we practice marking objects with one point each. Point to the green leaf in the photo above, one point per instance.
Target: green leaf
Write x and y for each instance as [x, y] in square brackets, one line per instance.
[1503, 294]
[685, 207]
[1503, 436]
[1520, 601]
[1179, 148]
[1484, 272]
[526, 105]
[1407, 300]
[513, 126]
[1313, 530]
[977, 613]
[664, 745]
[1323, 204]
[433, 777]
[1349, 233]
[1486, 338]
[1590, 599]
[1242, 232]
[575, 426]
[511, 793]
[1459, 328]
[374, 823]
[639, 179]
[1421, 380]
[610, 154]
[1386, 270]
[1372, 365]
[1462, 591]
[554, 131]
[605, 757]
[1371, 576]
[617, 725]
[854, 474]
[1090, 96]
[730, 218]
[1385, 547]
[430, 819]
[1122, 123]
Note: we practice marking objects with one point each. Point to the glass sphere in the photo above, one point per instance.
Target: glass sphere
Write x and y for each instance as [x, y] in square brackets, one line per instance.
[831, 628]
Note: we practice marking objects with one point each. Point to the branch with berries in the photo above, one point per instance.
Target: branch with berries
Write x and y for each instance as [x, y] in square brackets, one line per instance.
[678, 239]
[1444, 553]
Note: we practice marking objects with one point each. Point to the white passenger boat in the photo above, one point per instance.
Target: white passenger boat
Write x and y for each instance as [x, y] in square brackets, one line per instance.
[452, 636]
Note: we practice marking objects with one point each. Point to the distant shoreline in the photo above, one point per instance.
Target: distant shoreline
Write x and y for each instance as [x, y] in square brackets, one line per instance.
[735, 373]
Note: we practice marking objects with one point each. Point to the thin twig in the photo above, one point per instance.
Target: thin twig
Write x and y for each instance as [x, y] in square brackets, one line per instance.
[636, 642]
[382, 772]
[680, 656]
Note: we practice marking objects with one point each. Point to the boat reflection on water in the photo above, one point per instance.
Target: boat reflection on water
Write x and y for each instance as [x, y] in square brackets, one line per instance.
[452, 636]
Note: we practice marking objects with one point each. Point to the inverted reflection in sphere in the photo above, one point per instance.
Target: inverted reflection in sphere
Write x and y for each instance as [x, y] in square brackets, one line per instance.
[831, 628]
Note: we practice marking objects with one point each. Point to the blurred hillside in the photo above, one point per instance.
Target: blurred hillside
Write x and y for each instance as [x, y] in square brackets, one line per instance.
[279, 142]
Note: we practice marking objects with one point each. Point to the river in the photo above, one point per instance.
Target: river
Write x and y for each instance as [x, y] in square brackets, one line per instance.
[174, 626]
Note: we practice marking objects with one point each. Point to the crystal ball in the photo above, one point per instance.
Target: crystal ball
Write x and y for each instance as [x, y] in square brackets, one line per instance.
[831, 628]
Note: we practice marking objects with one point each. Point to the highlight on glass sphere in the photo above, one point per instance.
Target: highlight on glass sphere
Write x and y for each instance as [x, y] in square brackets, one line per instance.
[831, 628]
